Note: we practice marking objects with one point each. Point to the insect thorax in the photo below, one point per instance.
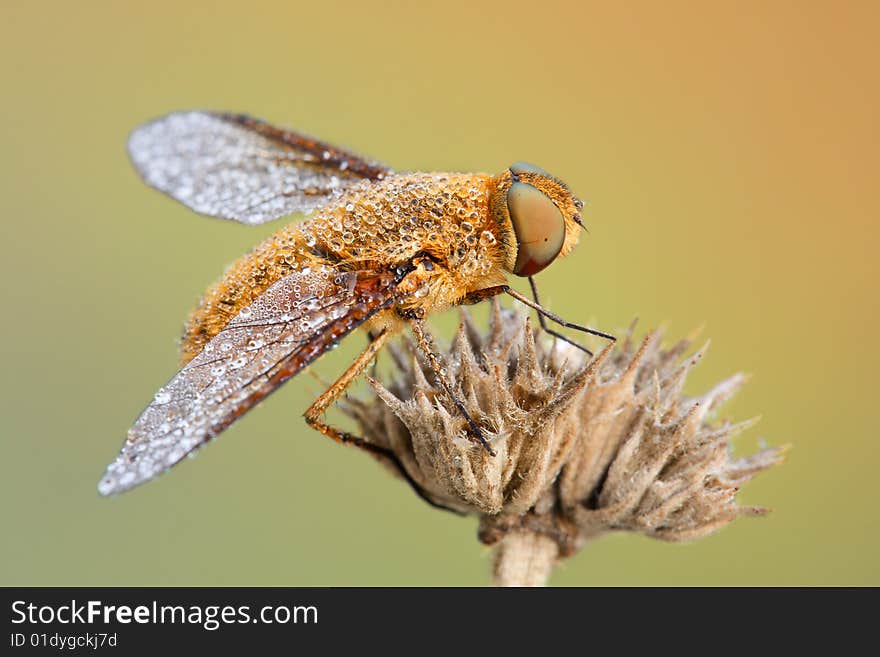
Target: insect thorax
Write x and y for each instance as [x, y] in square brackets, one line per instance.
[373, 226]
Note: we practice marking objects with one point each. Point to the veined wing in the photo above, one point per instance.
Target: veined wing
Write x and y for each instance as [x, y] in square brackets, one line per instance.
[292, 323]
[236, 167]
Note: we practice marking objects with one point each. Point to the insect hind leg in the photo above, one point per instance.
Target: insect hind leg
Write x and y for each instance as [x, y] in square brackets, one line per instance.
[314, 416]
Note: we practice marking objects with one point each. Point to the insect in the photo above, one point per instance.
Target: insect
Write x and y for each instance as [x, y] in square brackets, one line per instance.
[381, 250]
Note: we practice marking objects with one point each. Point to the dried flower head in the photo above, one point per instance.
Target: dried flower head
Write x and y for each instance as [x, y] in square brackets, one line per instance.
[582, 446]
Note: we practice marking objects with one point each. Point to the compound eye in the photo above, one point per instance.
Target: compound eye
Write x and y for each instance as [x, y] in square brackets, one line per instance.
[522, 167]
[539, 228]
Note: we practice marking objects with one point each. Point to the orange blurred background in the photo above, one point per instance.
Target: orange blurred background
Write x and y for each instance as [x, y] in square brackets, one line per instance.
[728, 154]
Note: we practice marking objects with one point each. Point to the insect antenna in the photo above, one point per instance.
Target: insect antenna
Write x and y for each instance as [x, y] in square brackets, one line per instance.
[579, 204]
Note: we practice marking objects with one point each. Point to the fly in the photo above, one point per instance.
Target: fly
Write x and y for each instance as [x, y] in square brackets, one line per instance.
[380, 250]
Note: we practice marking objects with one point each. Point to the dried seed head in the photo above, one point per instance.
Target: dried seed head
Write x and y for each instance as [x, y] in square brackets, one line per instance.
[582, 448]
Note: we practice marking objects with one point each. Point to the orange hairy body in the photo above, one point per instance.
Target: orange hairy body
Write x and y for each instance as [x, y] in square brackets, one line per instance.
[376, 226]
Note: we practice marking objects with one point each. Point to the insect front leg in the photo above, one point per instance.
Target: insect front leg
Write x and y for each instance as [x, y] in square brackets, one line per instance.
[543, 322]
[481, 295]
[425, 342]
[553, 317]
[543, 313]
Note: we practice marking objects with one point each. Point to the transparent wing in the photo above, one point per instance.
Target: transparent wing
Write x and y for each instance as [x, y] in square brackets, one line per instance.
[292, 323]
[236, 167]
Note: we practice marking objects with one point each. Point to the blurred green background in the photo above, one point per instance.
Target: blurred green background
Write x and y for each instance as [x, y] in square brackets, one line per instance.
[729, 157]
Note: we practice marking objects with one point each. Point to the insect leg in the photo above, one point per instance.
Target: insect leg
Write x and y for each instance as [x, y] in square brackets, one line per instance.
[543, 321]
[370, 337]
[486, 293]
[543, 312]
[482, 295]
[315, 412]
[425, 341]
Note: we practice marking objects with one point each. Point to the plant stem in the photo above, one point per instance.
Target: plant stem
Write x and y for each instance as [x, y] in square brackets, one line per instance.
[524, 558]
